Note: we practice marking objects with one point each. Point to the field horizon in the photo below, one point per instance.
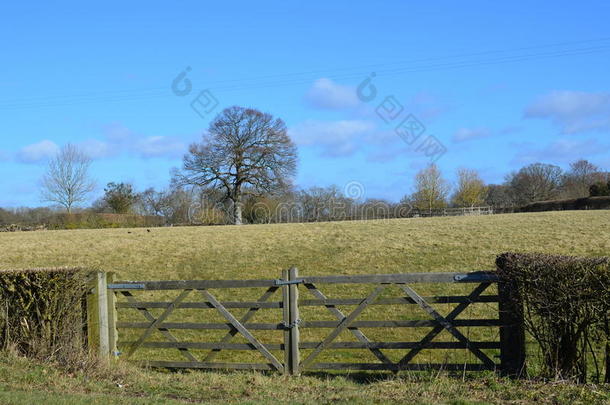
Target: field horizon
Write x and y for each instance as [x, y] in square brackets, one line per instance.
[466, 243]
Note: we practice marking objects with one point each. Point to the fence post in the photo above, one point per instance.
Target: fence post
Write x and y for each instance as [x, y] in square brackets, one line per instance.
[97, 315]
[112, 319]
[512, 329]
[286, 318]
[294, 322]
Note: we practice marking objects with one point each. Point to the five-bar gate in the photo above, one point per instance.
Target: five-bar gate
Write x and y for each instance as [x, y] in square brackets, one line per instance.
[316, 323]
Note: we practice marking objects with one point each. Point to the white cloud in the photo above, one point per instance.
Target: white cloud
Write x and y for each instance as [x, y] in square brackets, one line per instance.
[467, 134]
[573, 111]
[119, 139]
[560, 151]
[333, 138]
[96, 149]
[159, 146]
[38, 152]
[328, 95]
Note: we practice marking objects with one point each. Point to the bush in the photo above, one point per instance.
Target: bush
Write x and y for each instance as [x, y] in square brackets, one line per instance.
[90, 220]
[566, 301]
[42, 313]
[600, 189]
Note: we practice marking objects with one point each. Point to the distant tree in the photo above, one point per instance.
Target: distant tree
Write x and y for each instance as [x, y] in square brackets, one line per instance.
[245, 152]
[120, 197]
[471, 189]
[499, 196]
[322, 204]
[67, 180]
[152, 201]
[600, 189]
[536, 182]
[578, 180]
[431, 190]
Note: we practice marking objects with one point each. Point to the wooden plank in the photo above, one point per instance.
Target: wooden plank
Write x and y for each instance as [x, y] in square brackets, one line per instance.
[313, 345]
[102, 308]
[448, 326]
[200, 326]
[344, 324]
[402, 324]
[286, 321]
[312, 324]
[156, 322]
[203, 305]
[340, 316]
[293, 295]
[166, 333]
[112, 318]
[207, 346]
[193, 284]
[309, 303]
[249, 314]
[439, 328]
[456, 299]
[396, 367]
[401, 345]
[200, 365]
[473, 277]
[512, 331]
[229, 317]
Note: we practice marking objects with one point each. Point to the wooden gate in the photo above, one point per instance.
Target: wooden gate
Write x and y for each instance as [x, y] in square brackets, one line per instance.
[303, 323]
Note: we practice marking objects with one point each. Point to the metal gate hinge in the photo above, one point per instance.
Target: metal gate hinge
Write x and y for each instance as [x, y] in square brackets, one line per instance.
[286, 282]
[291, 325]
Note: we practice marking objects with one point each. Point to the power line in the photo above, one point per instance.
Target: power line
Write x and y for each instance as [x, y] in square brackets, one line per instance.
[382, 69]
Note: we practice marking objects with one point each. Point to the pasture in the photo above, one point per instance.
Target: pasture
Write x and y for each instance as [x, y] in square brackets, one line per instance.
[358, 247]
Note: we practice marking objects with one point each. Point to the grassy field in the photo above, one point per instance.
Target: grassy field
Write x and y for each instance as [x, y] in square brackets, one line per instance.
[261, 251]
[358, 247]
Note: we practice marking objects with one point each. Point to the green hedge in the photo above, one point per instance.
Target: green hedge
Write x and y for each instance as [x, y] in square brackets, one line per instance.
[566, 301]
[42, 313]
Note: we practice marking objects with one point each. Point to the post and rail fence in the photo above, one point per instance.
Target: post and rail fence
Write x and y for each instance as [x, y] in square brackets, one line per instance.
[285, 349]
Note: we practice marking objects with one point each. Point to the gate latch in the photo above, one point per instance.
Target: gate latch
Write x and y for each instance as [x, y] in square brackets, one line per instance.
[286, 282]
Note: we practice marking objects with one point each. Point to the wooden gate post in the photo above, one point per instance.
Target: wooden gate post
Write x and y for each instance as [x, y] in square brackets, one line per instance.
[113, 335]
[512, 329]
[97, 316]
[286, 318]
[295, 358]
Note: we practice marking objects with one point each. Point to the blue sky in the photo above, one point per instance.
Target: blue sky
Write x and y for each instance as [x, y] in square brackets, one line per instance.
[497, 85]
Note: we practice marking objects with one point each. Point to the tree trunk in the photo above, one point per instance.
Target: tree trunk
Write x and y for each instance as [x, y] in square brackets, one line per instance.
[237, 212]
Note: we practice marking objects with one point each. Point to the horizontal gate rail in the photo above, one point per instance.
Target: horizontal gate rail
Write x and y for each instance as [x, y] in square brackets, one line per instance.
[189, 284]
[474, 277]
[311, 303]
[310, 324]
[313, 345]
[201, 326]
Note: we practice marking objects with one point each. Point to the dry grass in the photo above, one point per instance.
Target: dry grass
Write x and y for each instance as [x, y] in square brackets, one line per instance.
[23, 381]
[261, 251]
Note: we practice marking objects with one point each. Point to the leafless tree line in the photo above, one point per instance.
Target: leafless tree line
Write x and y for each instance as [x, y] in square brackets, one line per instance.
[243, 170]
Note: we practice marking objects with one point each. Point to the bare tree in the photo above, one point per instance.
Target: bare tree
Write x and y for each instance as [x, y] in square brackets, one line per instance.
[471, 190]
[536, 182]
[577, 181]
[67, 180]
[499, 196]
[245, 152]
[431, 189]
